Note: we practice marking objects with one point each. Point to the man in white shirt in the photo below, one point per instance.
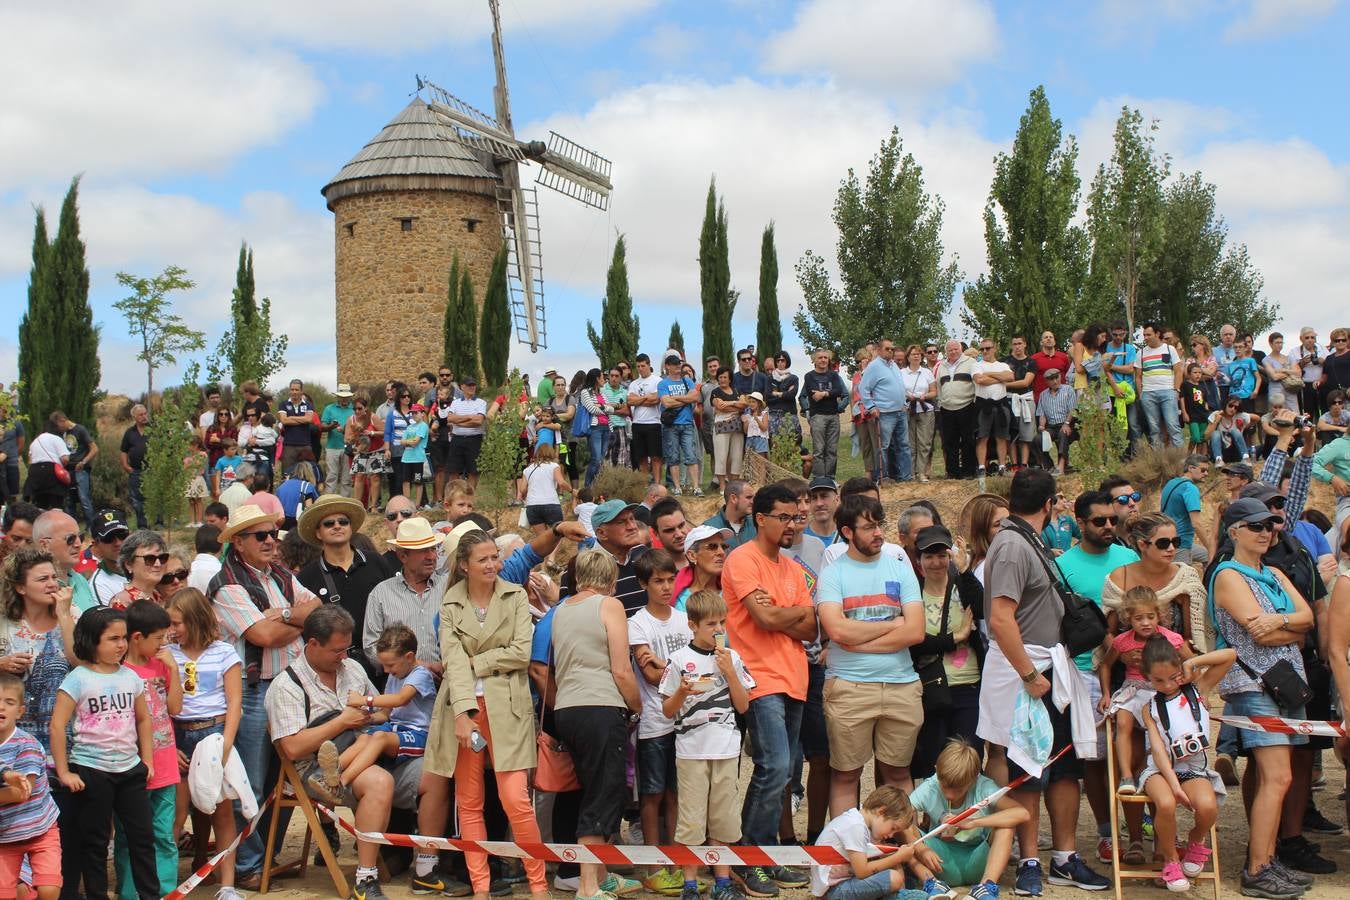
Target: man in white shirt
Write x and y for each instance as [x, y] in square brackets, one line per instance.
[644, 399]
[993, 415]
[466, 420]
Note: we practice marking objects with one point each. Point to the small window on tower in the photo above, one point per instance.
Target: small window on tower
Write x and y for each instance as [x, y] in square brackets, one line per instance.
[351, 229]
[406, 223]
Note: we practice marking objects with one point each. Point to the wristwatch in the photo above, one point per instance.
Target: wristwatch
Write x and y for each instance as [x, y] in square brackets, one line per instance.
[1031, 676]
[1284, 619]
[286, 615]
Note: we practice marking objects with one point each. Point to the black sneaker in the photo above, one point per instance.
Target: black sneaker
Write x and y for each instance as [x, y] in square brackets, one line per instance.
[788, 878]
[755, 881]
[1300, 880]
[1297, 853]
[368, 889]
[1076, 873]
[437, 882]
[1268, 884]
[1313, 820]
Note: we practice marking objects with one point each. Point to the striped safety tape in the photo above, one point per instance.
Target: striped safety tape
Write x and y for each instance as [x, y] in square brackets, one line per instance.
[199, 876]
[1280, 725]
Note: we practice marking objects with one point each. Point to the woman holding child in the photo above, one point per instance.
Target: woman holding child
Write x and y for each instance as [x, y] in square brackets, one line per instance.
[486, 630]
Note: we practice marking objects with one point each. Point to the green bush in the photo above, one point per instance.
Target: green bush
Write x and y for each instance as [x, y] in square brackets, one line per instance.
[1101, 443]
[499, 461]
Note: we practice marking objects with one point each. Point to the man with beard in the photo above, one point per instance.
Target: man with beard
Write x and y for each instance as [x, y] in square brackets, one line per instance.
[670, 527]
[769, 614]
[1085, 567]
[871, 609]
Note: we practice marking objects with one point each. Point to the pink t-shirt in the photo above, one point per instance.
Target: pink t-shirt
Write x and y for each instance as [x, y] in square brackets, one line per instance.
[1128, 640]
[156, 677]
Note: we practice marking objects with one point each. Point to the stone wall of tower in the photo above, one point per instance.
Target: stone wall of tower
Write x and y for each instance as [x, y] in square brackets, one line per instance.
[392, 277]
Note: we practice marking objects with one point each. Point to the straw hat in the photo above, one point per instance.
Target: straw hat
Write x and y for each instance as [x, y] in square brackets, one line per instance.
[451, 540]
[308, 523]
[415, 534]
[245, 516]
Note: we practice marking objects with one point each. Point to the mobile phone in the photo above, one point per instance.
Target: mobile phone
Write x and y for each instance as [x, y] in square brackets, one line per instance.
[477, 742]
[720, 639]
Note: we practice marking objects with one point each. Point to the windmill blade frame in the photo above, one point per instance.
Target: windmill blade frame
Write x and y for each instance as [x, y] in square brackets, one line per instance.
[519, 209]
[471, 125]
[573, 170]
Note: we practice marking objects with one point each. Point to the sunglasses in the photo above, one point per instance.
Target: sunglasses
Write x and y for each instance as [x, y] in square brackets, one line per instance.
[151, 558]
[401, 514]
[340, 522]
[1261, 527]
[71, 539]
[169, 578]
[190, 676]
[114, 537]
[1100, 521]
[1275, 503]
[262, 536]
[1126, 499]
[1164, 543]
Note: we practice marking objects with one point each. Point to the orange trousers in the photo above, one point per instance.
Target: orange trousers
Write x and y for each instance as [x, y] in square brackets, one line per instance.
[513, 789]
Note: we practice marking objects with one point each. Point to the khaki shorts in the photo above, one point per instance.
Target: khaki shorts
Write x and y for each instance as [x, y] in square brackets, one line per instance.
[866, 719]
[706, 808]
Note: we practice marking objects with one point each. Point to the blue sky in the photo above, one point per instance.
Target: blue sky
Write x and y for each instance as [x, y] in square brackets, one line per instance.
[196, 129]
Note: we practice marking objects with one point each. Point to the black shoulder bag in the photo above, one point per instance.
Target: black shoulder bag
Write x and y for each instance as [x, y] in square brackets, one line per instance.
[932, 671]
[1084, 625]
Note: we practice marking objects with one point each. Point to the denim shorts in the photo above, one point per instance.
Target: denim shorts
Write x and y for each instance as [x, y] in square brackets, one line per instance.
[656, 764]
[873, 887]
[187, 739]
[1258, 703]
[680, 445]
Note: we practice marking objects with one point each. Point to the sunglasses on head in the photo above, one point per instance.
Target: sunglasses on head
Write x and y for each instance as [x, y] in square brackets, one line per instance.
[1164, 543]
[261, 536]
[1126, 499]
[151, 558]
[401, 514]
[1267, 525]
[340, 521]
[169, 578]
[1100, 521]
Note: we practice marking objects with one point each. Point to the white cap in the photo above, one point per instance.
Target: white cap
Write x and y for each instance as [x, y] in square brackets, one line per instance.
[702, 533]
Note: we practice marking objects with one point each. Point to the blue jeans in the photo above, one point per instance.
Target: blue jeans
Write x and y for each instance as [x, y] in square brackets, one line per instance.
[254, 747]
[775, 722]
[84, 495]
[137, 500]
[873, 887]
[896, 461]
[1216, 443]
[680, 444]
[597, 439]
[1160, 409]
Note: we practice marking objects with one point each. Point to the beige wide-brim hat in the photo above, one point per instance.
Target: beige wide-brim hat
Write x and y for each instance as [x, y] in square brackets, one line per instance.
[308, 523]
[451, 540]
[415, 534]
[246, 516]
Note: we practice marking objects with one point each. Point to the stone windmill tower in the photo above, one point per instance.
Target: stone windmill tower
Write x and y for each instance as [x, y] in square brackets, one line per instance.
[442, 178]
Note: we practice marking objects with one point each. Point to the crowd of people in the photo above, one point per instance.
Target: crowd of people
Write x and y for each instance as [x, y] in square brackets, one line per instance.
[152, 692]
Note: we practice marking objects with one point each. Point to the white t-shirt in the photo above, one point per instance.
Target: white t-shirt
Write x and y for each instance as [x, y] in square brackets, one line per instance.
[204, 693]
[583, 512]
[997, 390]
[204, 567]
[664, 638]
[46, 447]
[235, 496]
[846, 833]
[646, 387]
[705, 726]
[541, 488]
[465, 407]
[207, 419]
[917, 383]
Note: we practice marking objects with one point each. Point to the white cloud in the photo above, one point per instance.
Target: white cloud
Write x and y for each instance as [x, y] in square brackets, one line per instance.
[779, 153]
[907, 47]
[1289, 176]
[1266, 18]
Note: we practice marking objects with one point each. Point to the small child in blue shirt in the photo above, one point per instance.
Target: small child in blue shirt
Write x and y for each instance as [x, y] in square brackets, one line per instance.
[225, 467]
[1061, 529]
[410, 693]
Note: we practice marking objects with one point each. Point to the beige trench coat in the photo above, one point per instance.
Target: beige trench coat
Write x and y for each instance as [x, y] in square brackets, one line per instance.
[497, 652]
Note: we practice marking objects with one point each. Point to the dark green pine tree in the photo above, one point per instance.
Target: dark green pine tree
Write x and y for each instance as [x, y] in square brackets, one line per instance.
[619, 328]
[36, 331]
[676, 339]
[461, 323]
[62, 356]
[715, 279]
[769, 324]
[494, 335]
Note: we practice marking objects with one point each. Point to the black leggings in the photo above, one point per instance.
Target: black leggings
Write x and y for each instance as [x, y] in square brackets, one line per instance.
[104, 794]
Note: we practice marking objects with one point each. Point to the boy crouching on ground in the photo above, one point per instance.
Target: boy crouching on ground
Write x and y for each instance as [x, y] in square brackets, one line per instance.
[704, 686]
[975, 851]
[870, 874]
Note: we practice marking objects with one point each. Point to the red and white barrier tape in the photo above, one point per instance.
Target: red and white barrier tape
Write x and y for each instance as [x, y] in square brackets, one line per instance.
[990, 800]
[1280, 725]
[209, 866]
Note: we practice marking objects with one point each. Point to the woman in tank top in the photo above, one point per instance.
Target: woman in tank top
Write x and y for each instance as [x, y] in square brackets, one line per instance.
[596, 699]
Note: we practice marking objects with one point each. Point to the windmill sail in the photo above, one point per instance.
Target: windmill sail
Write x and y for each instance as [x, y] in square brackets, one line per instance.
[471, 125]
[571, 169]
[519, 209]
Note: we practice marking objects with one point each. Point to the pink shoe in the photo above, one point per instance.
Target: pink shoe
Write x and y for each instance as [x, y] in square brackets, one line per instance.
[1193, 862]
[1174, 878]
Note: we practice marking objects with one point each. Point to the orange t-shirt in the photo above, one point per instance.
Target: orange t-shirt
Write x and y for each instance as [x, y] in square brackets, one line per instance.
[776, 659]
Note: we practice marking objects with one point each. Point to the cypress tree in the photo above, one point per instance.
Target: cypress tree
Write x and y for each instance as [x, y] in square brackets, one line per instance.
[248, 351]
[676, 339]
[715, 279]
[461, 323]
[494, 334]
[619, 328]
[769, 325]
[36, 331]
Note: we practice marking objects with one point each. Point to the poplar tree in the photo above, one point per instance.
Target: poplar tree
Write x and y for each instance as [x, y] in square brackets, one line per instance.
[1038, 257]
[248, 351]
[460, 329]
[769, 325]
[619, 328]
[494, 334]
[719, 303]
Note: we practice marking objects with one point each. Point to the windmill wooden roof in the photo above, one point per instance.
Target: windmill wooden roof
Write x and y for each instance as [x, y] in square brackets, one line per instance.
[414, 151]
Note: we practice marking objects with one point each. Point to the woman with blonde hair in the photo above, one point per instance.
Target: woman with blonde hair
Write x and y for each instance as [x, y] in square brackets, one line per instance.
[483, 707]
[539, 486]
